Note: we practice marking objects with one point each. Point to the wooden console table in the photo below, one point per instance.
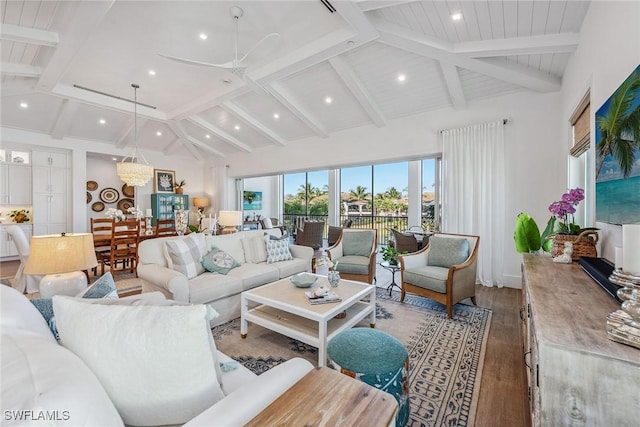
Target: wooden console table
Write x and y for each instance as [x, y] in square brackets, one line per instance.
[577, 376]
[325, 397]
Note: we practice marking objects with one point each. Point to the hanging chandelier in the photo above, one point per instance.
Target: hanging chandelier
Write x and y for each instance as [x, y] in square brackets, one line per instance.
[131, 170]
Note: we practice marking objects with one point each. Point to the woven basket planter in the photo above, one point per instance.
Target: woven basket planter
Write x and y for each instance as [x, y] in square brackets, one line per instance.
[584, 244]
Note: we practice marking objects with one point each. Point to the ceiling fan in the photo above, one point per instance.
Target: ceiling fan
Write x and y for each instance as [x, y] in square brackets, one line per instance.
[236, 65]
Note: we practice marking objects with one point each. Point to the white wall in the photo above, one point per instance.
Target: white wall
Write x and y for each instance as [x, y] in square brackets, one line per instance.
[609, 51]
[535, 153]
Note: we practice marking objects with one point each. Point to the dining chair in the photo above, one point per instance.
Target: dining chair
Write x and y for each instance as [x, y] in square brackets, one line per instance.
[101, 228]
[125, 238]
[23, 282]
[165, 227]
[444, 270]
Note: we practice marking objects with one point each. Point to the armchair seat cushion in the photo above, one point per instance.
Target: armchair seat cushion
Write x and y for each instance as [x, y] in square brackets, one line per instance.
[428, 277]
[353, 264]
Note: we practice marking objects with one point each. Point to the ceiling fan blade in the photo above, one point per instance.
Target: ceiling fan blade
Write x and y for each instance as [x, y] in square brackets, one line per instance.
[226, 65]
[274, 36]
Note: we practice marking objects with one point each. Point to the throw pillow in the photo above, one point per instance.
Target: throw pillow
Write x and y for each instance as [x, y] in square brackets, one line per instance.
[157, 364]
[104, 287]
[185, 255]
[447, 251]
[218, 261]
[285, 236]
[277, 250]
[255, 250]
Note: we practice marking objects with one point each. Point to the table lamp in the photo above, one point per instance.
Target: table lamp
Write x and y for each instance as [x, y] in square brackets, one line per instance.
[230, 220]
[200, 203]
[62, 258]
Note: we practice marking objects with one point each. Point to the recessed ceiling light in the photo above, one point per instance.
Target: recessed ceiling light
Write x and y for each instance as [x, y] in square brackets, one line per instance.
[102, 121]
[401, 77]
[236, 127]
[328, 100]
[24, 105]
[152, 72]
[456, 16]
[203, 36]
[114, 159]
[207, 136]
[158, 133]
[276, 116]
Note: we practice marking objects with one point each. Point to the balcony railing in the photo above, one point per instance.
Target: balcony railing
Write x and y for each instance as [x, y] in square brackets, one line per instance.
[382, 223]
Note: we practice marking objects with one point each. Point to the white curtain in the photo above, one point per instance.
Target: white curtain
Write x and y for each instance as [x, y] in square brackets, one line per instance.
[473, 192]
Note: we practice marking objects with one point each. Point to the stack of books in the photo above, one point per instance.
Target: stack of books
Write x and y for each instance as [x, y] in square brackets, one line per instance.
[322, 296]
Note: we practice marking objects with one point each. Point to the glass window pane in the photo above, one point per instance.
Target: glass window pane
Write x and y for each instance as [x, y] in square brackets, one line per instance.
[355, 197]
[429, 194]
[390, 183]
[295, 199]
[318, 193]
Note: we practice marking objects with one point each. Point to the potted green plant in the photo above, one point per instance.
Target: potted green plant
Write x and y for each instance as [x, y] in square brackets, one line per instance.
[389, 254]
[178, 187]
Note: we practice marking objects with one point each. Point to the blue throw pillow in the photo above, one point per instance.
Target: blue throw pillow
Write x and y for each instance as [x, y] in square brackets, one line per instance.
[104, 287]
[218, 261]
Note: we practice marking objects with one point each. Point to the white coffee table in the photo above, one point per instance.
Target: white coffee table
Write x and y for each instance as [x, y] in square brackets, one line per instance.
[283, 308]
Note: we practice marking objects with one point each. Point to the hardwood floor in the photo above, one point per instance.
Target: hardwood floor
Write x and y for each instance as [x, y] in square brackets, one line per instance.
[503, 390]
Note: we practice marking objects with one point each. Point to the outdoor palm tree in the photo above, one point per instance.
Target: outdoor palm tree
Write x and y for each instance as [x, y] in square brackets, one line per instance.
[620, 126]
[360, 193]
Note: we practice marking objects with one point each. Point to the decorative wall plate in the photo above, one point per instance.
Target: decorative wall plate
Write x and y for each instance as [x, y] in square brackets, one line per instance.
[125, 204]
[92, 185]
[109, 195]
[89, 197]
[128, 190]
[97, 207]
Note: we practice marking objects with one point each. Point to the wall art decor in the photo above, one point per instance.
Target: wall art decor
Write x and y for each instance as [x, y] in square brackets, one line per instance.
[163, 181]
[618, 154]
[252, 200]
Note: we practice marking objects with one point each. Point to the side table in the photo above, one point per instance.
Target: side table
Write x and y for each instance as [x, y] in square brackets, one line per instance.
[393, 268]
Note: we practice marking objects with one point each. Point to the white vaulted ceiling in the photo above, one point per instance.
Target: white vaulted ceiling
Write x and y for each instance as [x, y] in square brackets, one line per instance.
[52, 51]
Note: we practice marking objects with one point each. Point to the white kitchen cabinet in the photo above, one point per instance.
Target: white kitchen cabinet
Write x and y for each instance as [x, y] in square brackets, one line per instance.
[51, 189]
[15, 188]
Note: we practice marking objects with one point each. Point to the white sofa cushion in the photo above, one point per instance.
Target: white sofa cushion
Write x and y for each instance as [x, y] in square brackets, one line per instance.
[40, 376]
[17, 312]
[185, 254]
[209, 287]
[255, 249]
[157, 364]
[230, 243]
[253, 275]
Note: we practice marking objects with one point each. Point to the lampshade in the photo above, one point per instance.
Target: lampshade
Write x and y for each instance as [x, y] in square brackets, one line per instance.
[200, 202]
[61, 253]
[132, 170]
[230, 218]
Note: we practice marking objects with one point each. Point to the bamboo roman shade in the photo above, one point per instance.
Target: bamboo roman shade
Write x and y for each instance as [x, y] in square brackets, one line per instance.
[580, 121]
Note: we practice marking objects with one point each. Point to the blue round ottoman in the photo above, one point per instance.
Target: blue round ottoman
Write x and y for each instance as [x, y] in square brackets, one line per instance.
[376, 358]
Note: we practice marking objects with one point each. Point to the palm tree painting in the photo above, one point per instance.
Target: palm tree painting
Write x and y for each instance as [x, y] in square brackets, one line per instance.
[618, 154]
[252, 200]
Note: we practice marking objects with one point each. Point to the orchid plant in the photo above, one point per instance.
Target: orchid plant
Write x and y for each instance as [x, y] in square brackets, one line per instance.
[135, 211]
[115, 213]
[564, 209]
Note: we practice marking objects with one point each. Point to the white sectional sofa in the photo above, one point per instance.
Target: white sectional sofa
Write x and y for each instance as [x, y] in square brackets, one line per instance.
[45, 383]
[220, 291]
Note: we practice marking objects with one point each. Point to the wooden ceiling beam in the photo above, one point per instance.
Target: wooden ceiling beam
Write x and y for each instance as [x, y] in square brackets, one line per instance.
[209, 127]
[288, 101]
[358, 90]
[242, 114]
[20, 34]
[454, 85]
[180, 131]
[534, 45]
[66, 115]
[20, 70]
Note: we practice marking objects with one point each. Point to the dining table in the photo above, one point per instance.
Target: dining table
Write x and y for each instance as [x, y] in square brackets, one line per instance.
[105, 239]
[421, 234]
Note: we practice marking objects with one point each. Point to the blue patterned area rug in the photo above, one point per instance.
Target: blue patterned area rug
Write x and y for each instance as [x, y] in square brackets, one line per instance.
[446, 355]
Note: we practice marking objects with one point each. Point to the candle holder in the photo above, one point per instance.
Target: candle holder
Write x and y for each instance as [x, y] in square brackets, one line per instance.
[148, 229]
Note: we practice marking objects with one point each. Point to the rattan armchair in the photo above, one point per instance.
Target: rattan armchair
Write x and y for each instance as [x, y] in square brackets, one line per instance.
[404, 242]
[335, 232]
[269, 223]
[444, 270]
[311, 234]
[354, 254]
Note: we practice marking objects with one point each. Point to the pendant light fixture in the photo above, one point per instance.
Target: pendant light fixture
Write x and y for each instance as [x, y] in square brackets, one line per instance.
[131, 170]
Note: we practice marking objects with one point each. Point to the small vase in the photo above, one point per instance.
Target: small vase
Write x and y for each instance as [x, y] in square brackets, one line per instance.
[182, 220]
[333, 277]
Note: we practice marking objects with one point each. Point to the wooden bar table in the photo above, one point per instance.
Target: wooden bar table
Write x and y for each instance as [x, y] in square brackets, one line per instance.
[325, 397]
